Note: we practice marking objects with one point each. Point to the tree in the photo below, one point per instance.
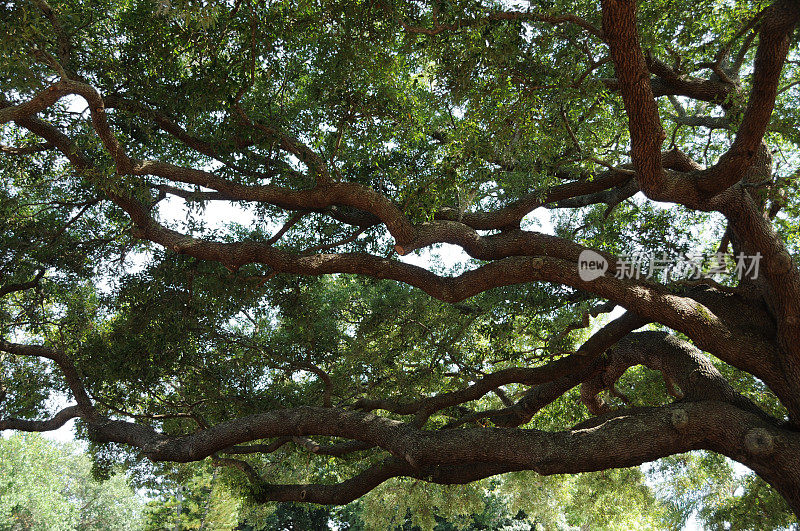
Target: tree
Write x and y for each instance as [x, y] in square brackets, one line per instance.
[614, 499]
[44, 485]
[344, 137]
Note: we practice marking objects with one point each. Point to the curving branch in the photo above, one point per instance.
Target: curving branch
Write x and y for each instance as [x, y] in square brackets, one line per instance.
[320, 197]
[64, 363]
[628, 438]
[522, 375]
[60, 418]
[778, 23]
[541, 395]
[687, 372]
[22, 286]
[644, 123]
[669, 81]
[511, 215]
[611, 197]
[239, 464]
[698, 187]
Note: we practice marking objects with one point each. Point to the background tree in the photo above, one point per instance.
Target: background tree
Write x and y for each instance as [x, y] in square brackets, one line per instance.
[44, 485]
[198, 501]
[345, 136]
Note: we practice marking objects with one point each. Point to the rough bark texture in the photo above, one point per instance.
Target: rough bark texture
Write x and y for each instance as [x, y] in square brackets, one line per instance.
[757, 333]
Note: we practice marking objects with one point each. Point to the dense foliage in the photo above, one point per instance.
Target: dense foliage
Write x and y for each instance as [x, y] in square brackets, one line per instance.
[44, 486]
[320, 246]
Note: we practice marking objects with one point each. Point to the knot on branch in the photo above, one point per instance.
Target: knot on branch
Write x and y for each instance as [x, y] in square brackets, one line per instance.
[781, 263]
[680, 419]
[308, 444]
[759, 441]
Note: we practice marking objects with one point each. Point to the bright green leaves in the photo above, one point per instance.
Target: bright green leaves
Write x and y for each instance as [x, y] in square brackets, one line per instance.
[722, 496]
[53, 231]
[46, 486]
[203, 500]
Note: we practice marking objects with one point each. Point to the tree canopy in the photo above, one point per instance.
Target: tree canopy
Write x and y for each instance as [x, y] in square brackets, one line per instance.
[45, 486]
[219, 225]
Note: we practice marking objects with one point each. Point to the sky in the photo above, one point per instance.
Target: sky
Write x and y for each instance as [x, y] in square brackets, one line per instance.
[174, 211]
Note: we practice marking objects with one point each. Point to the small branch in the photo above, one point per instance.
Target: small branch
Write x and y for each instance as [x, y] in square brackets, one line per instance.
[258, 448]
[294, 146]
[487, 384]
[353, 237]
[725, 51]
[707, 281]
[297, 216]
[709, 122]
[26, 150]
[22, 286]
[244, 466]
[189, 195]
[507, 16]
[569, 130]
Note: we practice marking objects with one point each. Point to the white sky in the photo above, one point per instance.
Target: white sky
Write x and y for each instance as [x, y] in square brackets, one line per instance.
[219, 213]
[174, 211]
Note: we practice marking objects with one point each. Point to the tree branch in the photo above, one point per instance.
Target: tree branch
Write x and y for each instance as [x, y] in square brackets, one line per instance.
[26, 150]
[680, 362]
[628, 438]
[54, 423]
[778, 23]
[22, 286]
[647, 135]
[507, 16]
[64, 363]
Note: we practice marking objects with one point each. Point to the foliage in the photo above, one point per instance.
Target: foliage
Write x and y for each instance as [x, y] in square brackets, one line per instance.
[722, 497]
[219, 231]
[603, 500]
[46, 485]
[199, 502]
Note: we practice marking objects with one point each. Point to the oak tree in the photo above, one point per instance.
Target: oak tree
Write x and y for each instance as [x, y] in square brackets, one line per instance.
[210, 214]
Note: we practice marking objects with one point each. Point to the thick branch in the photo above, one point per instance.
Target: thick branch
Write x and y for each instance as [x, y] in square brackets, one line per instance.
[453, 456]
[681, 363]
[54, 423]
[321, 197]
[647, 135]
[778, 23]
[71, 375]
